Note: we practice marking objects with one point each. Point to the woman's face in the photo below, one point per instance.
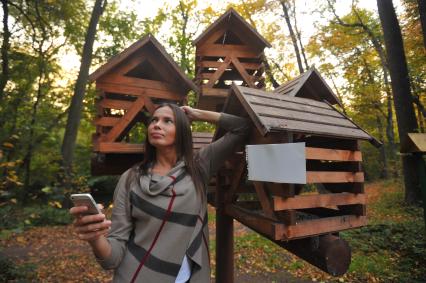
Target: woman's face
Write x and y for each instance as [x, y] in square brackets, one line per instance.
[162, 128]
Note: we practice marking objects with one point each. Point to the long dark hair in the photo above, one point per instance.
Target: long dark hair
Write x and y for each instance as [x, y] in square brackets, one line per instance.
[183, 146]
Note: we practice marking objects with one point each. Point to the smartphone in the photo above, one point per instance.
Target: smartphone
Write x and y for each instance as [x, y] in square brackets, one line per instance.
[85, 200]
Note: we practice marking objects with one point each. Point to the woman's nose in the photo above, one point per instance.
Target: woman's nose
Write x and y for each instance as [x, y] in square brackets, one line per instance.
[157, 124]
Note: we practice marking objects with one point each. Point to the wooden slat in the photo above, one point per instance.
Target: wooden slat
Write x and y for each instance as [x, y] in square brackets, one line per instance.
[246, 77]
[137, 82]
[312, 128]
[322, 226]
[291, 105]
[118, 130]
[299, 115]
[215, 64]
[226, 47]
[224, 53]
[217, 92]
[137, 91]
[320, 200]
[313, 177]
[216, 75]
[115, 103]
[118, 147]
[278, 97]
[332, 154]
[106, 121]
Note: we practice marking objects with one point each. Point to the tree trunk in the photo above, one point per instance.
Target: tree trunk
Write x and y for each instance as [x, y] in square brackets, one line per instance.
[268, 72]
[383, 159]
[405, 114]
[422, 12]
[4, 50]
[74, 115]
[299, 36]
[292, 35]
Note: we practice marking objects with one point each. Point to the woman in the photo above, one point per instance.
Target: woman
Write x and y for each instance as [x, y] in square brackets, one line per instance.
[158, 231]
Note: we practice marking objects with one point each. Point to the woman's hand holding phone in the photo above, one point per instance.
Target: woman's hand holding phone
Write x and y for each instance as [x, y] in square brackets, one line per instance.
[89, 227]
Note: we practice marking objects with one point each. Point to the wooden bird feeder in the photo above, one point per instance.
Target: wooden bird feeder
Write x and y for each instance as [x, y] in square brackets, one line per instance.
[333, 199]
[128, 87]
[229, 50]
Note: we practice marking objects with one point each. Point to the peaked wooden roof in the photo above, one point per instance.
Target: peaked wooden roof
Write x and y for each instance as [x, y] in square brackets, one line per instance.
[234, 19]
[273, 112]
[144, 41]
[310, 84]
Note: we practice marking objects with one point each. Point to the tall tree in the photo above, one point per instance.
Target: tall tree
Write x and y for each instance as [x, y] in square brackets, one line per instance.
[74, 114]
[285, 5]
[422, 12]
[405, 114]
[5, 49]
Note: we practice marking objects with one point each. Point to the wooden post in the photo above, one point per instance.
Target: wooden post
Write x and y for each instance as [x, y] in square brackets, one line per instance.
[224, 236]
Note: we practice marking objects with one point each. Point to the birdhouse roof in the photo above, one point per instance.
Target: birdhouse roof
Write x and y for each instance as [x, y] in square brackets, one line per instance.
[274, 112]
[310, 84]
[231, 19]
[162, 57]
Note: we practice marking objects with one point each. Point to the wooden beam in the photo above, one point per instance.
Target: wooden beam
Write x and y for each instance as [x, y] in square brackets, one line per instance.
[138, 91]
[118, 130]
[131, 63]
[218, 72]
[224, 53]
[216, 64]
[322, 226]
[137, 82]
[149, 105]
[253, 220]
[216, 92]
[118, 147]
[246, 77]
[320, 200]
[226, 47]
[264, 200]
[332, 154]
[115, 103]
[313, 177]
[106, 121]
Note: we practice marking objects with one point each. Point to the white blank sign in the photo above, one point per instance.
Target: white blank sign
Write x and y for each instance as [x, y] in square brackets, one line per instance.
[278, 163]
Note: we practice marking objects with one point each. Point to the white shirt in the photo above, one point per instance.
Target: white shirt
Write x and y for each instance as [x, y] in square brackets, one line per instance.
[184, 271]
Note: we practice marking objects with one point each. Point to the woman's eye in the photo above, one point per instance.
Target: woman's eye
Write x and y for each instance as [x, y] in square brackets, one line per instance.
[153, 120]
[169, 121]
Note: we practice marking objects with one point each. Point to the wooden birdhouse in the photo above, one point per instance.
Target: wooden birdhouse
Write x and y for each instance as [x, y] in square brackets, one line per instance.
[333, 198]
[128, 87]
[229, 50]
[311, 85]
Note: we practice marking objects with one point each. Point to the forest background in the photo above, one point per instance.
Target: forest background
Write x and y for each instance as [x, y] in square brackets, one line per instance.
[43, 42]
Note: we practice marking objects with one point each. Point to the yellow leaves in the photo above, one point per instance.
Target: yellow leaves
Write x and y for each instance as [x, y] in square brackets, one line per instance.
[56, 204]
[8, 145]
[13, 200]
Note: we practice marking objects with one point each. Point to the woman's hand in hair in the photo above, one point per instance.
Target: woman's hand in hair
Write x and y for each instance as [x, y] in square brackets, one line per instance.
[194, 114]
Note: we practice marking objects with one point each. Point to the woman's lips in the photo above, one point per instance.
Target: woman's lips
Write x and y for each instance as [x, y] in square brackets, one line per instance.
[156, 135]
